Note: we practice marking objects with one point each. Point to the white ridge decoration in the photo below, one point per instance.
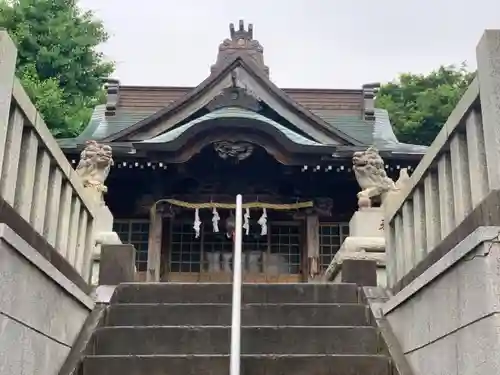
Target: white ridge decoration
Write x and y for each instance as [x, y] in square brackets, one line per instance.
[197, 223]
[263, 222]
[215, 220]
[246, 224]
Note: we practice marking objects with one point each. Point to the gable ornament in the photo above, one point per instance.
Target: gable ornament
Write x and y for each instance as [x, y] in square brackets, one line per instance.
[233, 150]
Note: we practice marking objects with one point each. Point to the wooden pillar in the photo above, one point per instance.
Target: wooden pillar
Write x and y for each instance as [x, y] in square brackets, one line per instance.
[165, 246]
[304, 269]
[312, 243]
[154, 246]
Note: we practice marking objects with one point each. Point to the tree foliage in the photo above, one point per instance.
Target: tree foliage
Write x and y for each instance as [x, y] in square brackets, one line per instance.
[58, 63]
[419, 105]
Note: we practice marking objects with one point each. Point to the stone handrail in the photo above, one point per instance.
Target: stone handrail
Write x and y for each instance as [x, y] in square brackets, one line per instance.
[459, 170]
[36, 178]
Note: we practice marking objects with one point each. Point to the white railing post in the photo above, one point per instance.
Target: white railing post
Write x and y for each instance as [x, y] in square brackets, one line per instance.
[236, 311]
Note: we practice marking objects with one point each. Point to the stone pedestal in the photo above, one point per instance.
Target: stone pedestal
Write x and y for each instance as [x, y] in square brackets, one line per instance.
[367, 222]
[117, 264]
[361, 272]
[104, 235]
[366, 242]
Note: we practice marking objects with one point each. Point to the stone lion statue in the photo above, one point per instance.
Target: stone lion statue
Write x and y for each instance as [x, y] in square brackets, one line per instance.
[369, 170]
[95, 162]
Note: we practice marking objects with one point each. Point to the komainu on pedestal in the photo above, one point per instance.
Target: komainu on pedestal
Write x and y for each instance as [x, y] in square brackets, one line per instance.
[370, 173]
[95, 162]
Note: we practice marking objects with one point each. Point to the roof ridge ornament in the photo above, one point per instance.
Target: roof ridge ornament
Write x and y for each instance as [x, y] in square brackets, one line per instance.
[241, 33]
[112, 88]
[369, 92]
[241, 41]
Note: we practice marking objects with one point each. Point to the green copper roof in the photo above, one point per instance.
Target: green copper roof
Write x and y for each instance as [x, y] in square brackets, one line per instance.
[378, 132]
[353, 126]
[101, 126]
[236, 113]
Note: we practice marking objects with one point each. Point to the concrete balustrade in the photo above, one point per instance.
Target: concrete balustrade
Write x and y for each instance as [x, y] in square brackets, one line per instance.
[440, 193]
[460, 169]
[36, 178]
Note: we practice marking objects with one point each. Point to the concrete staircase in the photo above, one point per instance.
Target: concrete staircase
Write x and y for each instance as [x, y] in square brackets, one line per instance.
[184, 329]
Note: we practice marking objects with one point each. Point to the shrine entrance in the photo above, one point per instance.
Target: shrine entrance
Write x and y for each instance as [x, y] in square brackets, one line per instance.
[294, 227]
[272, 253]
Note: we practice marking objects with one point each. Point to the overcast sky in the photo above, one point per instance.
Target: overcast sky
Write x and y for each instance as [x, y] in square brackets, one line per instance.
[307, 43]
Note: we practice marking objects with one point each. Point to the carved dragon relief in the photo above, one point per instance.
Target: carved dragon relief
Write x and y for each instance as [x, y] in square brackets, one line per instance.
[233, 150]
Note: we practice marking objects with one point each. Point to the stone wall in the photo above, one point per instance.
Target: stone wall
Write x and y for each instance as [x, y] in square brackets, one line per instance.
[445, 197]
[447, 320]
[442, 238]
[41, 309]
[36, 179]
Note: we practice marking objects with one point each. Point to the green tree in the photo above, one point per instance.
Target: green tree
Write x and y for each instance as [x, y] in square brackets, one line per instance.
[58, 62]
[419, 105]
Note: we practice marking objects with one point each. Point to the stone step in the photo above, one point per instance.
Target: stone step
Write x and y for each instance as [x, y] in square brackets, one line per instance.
[250, 365]
[222, 293]
[255, 340]
[251, 315]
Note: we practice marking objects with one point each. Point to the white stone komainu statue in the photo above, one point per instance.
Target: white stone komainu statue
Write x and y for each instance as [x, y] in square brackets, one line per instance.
[213, 260]
[93, 168]
[370, 173]
[254, 258]
[95, 162]
[226, 261]
[366, 239]
[276, 264]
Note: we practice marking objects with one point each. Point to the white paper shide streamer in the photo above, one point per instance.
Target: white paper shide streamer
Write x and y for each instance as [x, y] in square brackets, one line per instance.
[197, 223]
[263, 223]
[246, 224]
[215, 220]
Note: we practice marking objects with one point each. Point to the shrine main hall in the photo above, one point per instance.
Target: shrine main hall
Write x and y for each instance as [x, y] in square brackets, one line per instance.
[182, 154]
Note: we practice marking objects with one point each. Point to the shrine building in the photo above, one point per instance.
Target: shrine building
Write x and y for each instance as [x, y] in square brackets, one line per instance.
[182, 154]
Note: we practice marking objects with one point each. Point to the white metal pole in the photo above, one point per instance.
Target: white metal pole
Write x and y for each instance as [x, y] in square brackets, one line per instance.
[234, 368]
